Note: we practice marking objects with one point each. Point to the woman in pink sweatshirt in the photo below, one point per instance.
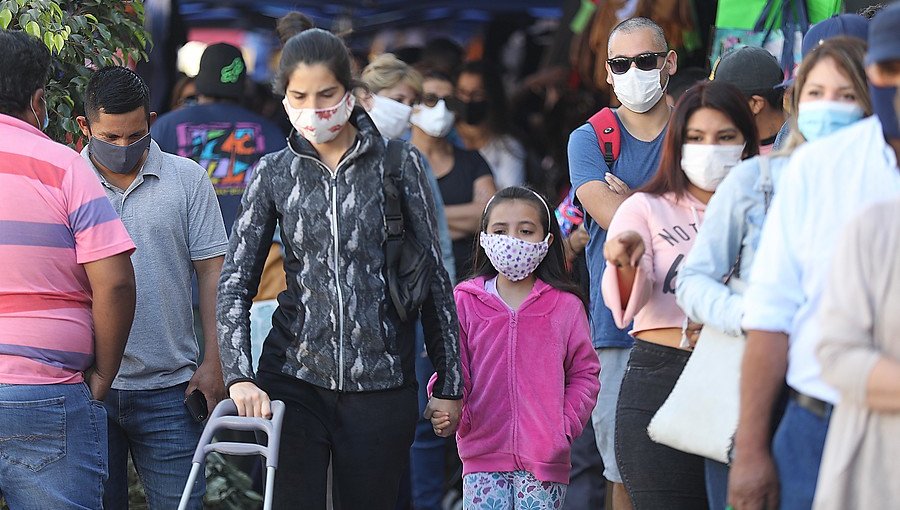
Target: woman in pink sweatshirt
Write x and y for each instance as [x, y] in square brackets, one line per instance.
[710, 131]
[529, 370]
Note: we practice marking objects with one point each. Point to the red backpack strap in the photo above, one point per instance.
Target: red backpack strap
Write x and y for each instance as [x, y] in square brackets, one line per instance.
[606, 127]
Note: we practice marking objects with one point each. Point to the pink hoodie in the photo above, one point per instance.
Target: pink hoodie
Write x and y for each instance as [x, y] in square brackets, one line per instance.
[530, 380]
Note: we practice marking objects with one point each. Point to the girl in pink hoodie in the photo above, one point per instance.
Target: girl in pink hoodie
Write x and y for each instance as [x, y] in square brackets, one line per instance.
[530, 373]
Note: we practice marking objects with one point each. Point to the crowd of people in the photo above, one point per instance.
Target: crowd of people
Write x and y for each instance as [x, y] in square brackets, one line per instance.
[703, 307]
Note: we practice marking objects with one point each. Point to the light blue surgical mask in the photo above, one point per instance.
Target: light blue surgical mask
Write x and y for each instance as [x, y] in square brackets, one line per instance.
[46, 121]
[817, 119]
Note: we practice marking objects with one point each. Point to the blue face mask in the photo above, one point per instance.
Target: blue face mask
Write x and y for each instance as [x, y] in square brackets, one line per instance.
[817, 119]
[883, 104]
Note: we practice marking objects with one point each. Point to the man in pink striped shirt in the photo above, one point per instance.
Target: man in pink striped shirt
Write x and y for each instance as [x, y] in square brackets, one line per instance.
[67, 299]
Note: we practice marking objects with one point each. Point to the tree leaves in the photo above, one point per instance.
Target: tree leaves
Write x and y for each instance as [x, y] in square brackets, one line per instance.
[5, 18]
[81, 35]
[33, 29]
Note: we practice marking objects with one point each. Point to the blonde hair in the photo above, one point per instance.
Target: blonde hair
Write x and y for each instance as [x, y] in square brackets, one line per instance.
[386, 71]
[849, 54]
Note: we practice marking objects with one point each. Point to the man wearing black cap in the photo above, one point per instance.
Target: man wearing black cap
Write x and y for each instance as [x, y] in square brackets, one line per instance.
[828, 182]
[225, 138]
[756, 73]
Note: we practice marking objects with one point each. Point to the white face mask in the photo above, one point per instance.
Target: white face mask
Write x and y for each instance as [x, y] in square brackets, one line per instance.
[321, 126]
[638, 90]
[436, 121]
[707, 165]
[390, 117]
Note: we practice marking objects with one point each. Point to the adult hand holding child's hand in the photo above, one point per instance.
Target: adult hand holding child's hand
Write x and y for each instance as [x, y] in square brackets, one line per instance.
[444, 415]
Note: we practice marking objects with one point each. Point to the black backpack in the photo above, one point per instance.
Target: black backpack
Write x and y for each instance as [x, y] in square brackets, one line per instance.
[408, 269]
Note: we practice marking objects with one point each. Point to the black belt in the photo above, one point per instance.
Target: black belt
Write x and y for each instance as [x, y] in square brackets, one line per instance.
[818, 407]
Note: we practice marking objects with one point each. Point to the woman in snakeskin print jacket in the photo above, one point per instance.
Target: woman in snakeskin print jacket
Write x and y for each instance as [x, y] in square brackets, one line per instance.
[337, 354]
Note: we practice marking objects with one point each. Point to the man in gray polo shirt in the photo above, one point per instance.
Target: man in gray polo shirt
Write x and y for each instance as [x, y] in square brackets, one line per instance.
[170, 210]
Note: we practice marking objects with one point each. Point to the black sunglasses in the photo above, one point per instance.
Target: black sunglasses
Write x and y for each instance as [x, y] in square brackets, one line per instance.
[431, 100]
[644, 62]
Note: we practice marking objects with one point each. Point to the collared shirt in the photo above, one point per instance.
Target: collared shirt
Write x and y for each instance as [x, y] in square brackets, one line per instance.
[53, 220]
[827, 183]
[171, 212]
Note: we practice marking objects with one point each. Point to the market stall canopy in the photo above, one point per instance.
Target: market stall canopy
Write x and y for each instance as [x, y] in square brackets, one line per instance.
[366, 15]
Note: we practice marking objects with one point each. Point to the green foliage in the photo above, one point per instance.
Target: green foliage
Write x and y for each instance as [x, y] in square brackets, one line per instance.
[227, 487]
[82, 35]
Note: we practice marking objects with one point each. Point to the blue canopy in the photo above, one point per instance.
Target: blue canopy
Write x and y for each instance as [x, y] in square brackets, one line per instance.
[366, 15]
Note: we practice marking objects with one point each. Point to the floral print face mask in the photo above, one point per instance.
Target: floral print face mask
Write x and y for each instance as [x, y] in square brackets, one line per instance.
[321, 126]
[514, 258]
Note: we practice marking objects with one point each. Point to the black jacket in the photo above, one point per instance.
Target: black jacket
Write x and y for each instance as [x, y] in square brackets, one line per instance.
[335, 326]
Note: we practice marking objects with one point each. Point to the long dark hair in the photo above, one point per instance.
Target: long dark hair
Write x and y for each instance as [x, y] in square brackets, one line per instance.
[315, 46]
[717, 95]
[551, 270]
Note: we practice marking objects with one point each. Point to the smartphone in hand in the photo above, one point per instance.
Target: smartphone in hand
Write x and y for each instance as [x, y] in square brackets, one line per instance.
[196, 405]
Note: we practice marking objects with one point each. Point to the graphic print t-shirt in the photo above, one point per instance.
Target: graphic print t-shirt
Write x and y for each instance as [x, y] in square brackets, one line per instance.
[226, 140]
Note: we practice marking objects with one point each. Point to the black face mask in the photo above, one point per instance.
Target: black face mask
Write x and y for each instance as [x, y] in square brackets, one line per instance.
[474, 112]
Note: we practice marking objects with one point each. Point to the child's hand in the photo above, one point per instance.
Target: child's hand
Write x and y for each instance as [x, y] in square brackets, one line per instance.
[440, 421]
[447, 412]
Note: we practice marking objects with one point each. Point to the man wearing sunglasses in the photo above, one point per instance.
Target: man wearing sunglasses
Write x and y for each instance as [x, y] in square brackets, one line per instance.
[638, 67]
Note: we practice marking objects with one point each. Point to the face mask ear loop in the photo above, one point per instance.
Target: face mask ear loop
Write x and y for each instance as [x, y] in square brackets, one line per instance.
[668, 76]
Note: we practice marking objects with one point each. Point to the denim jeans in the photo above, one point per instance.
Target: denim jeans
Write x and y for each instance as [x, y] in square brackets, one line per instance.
[155, 426]
[797, 449]
[613, 361]
[52, 447]
[716, 484]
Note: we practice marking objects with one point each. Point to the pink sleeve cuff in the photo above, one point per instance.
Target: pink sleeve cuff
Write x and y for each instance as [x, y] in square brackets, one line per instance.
[640, 294]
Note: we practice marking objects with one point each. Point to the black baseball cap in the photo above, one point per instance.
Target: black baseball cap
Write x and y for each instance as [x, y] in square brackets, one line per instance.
[751, 69]
[222, 72]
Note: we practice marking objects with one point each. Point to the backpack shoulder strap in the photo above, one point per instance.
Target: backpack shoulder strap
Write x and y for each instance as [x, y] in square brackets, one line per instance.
[393, 212]
[606, 127]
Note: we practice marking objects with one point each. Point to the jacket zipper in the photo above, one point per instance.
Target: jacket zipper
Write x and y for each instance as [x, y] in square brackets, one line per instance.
[513, 333]
[337, 274]
[340, 293]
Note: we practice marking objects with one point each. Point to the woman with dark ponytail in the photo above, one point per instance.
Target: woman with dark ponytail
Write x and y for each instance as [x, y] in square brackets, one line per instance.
[338, 355]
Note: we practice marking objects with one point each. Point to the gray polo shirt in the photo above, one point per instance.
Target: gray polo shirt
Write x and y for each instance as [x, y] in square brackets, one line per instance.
[171, 213]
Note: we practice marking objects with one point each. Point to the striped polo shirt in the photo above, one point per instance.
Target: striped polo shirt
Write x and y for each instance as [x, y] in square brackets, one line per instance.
[54, 217]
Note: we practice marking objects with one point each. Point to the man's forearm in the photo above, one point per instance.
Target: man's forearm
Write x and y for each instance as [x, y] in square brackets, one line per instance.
[600, 202]
[113, 312]
[762, 379]
[464, 217]
[207, 283]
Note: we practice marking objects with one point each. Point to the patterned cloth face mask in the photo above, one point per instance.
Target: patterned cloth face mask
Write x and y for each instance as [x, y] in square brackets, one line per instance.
[512, 257]
[321, 126]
